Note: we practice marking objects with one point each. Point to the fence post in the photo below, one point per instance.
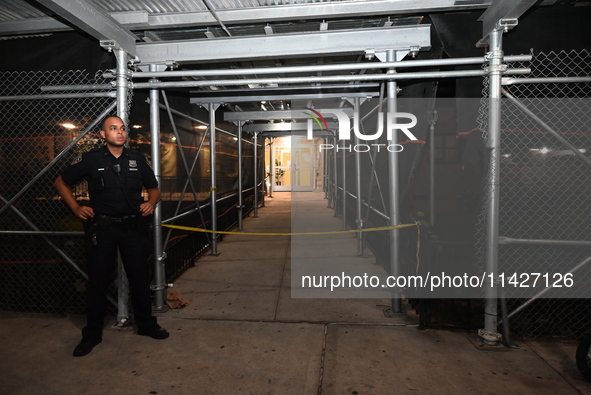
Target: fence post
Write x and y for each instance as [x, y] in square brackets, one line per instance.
[344, 179]
[256, 186]
[121, 83]
[359, 219]
[335, 169]
[325, 171]
[263, 165]
[159, 256]
[489, 334]
[271, 167]
[432, 122]
[240, 198]
[213, 187]
[394, 204]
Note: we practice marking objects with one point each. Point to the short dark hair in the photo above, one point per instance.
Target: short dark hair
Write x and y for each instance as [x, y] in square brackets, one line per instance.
[107, 117]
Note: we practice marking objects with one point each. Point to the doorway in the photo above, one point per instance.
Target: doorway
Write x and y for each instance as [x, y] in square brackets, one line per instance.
[297, 164]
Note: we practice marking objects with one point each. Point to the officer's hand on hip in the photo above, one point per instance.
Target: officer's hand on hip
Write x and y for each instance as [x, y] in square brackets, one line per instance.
[84, 212]
[146, 208]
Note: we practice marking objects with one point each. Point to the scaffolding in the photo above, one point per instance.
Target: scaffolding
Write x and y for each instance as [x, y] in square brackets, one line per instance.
[344, 184]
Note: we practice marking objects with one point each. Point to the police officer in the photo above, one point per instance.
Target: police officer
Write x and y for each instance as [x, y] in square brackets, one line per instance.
[114, 220]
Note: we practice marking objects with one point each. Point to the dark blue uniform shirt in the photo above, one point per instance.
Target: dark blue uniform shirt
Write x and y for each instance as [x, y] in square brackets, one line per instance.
[108, 188]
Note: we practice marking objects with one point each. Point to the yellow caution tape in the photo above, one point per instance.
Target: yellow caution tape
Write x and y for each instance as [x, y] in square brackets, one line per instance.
[290, 234]
[310, 233]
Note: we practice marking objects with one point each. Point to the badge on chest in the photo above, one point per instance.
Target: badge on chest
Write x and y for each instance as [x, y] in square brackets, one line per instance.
[133, 165]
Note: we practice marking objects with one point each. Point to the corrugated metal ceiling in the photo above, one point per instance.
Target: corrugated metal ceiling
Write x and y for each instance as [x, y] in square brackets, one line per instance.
[14, 10]
[152, 6]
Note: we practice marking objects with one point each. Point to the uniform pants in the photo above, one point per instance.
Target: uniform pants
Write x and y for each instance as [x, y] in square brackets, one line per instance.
[132, 244]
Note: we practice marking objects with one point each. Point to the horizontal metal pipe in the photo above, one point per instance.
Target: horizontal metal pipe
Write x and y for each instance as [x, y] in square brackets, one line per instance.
[548, 80]
[59, 96]
[322, 68]
[339, 78]
[172, 219]
[94, 87]
[39, 233]
[568, 243]
[343, 78]
[55, 233]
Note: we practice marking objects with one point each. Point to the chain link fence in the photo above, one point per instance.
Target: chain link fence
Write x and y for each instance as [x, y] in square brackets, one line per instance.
[545, 193]
[42, 265]
[41, 271]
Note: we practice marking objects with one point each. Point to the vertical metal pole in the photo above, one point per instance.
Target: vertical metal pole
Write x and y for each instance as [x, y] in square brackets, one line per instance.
[256, 187]
[327, 173]
[489, 334]
[335, 169]
[271, 167]
[263, 177]
[359, 219]
[344, 202]
[159, 255]
[240, 202]
[121, 83]
[212, 173]
[432, 168]
[393, 168]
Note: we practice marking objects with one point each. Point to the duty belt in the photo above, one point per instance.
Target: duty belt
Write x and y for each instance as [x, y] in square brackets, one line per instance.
[116, 219]
[126, 222]
[102, 222]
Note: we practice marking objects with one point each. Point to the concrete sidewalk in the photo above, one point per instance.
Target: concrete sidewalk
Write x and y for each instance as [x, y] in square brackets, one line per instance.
[243, 333]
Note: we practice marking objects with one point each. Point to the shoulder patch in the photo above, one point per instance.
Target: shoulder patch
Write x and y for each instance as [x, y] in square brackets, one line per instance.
[77, 160]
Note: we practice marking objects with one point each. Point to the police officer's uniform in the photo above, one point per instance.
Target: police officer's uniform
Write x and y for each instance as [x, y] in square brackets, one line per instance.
[115, 187]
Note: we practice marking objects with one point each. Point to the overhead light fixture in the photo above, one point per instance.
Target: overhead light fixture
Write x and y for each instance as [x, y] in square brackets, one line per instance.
[323, 26]
[68, 125]
[202, 127]
[388, 23]
[269, 29]
[136, 126]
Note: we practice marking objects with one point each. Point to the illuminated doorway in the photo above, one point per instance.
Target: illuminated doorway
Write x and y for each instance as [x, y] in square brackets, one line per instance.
[297, 164]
